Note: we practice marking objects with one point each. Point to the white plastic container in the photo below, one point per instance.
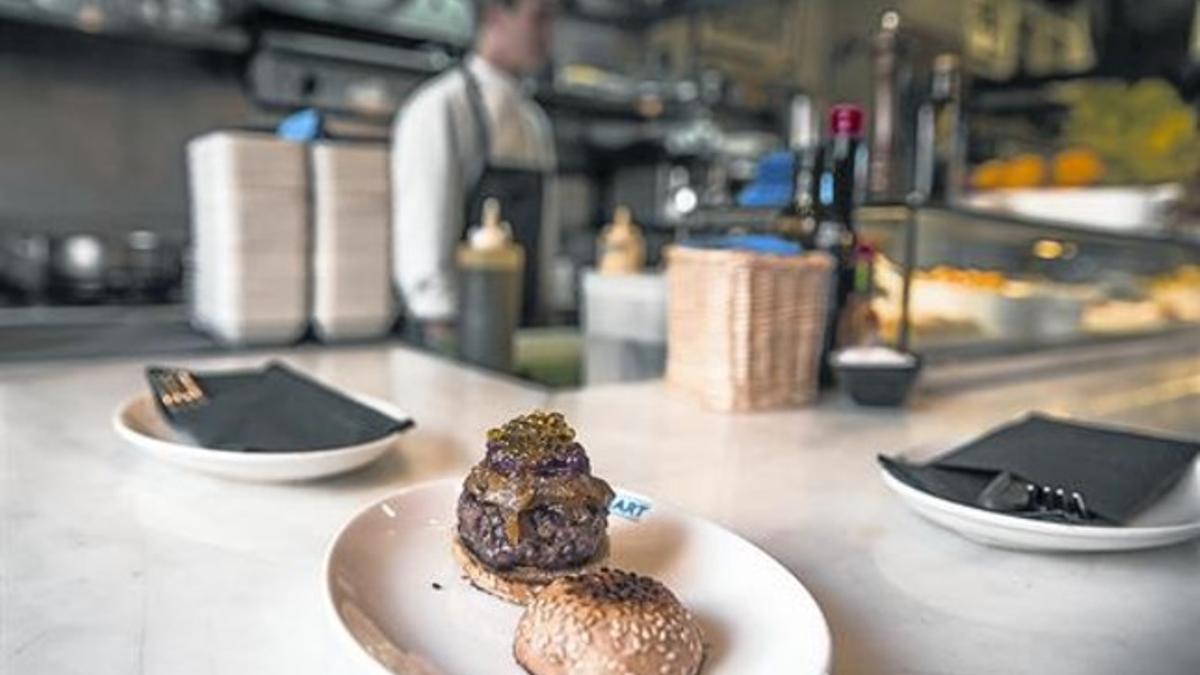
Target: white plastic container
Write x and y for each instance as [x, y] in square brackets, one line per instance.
[627, 307]
[249, 217]
[625, 326]
[237, 159]
[356, 167]
[333, 237]
[351, 273]
[364, 209]
[345, 326]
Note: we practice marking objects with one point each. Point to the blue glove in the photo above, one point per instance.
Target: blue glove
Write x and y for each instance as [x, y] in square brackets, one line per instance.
[302, 127]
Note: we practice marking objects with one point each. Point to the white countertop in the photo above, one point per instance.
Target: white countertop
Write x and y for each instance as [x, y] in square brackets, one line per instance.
[111, 563]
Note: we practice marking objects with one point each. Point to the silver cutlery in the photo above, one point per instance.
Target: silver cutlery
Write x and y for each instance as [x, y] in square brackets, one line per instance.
[1010, 494]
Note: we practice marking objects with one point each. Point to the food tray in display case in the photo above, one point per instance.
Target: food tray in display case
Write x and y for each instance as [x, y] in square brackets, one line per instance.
[981, 284]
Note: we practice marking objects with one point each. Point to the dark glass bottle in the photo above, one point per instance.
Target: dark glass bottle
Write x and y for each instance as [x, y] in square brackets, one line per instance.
[840, 179]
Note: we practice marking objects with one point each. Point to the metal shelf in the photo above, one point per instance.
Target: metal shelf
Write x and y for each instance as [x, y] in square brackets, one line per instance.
[226, 39]
[1069, 230]
[642, 14]
[967, 351]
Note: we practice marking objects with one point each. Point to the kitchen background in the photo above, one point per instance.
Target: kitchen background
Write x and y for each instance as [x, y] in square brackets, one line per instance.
[664, 105]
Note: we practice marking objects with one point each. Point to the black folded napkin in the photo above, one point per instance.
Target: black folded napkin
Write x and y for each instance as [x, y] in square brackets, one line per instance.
[1119, 473]
[273, 409]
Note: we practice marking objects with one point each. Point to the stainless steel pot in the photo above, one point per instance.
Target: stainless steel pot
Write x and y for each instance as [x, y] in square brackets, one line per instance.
[153, 265]
[79, 265]
[25, 265]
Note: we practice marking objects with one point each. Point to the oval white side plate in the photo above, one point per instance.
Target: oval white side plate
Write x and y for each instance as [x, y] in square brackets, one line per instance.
[139, 422]
[1172, 519]
[382, 567]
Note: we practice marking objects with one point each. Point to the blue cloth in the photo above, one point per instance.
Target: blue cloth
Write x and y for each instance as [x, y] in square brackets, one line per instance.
[301, 127]
[761, 196]
[772, 186]
[776, 167]
[767, 244]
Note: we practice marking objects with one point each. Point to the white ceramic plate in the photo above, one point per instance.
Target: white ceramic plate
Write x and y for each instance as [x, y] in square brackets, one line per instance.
[381, 569]
[139, 422]
[1172, 519]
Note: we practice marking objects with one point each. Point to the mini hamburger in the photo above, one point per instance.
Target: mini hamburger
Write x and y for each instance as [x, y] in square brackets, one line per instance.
[531, 511]
[609, 621]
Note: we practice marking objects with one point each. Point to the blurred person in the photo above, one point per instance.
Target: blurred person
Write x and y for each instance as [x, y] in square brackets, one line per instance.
[469, 134]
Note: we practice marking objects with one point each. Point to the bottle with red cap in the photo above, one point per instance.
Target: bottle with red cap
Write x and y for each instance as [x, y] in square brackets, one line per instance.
[841, 177]
[842, 168]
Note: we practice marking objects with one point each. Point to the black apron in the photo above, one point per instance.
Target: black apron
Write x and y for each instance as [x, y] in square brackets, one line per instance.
[519, 192]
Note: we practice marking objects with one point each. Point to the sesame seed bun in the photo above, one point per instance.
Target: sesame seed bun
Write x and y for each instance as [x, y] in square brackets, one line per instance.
[519, 584]
[608, 621]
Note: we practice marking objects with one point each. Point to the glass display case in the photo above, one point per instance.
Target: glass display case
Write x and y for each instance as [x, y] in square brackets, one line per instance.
[954, 283]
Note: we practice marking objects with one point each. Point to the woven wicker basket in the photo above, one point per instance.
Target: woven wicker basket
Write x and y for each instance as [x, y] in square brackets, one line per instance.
[744, 331]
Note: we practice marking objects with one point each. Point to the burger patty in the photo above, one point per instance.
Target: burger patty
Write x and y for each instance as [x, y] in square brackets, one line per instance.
[551, 537]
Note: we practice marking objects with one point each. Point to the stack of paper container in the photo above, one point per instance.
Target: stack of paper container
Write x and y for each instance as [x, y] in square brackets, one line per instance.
[352, 291]
[249, 273]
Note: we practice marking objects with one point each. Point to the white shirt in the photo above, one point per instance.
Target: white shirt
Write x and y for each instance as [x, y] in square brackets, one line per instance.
[435, 153]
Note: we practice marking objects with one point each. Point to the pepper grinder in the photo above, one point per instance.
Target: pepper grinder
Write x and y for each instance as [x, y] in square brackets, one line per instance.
[491, 266]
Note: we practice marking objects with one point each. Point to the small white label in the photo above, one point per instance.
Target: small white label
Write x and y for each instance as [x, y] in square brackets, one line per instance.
[629, 507]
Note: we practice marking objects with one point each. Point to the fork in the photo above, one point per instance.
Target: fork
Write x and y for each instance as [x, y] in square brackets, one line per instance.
[179, 390]
[1010, 494]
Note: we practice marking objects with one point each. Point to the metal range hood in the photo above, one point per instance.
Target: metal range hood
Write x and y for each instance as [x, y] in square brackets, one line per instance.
[201, 24]
[448, 22]
[290, 70]
[223, 24]
[643, 12]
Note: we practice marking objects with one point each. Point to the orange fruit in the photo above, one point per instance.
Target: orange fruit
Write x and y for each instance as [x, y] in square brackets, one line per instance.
[1027, 170]
[1077, 167]
[989, 175]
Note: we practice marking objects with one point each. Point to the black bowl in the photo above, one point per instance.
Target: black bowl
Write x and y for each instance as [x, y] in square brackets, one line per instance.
[878, 385]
